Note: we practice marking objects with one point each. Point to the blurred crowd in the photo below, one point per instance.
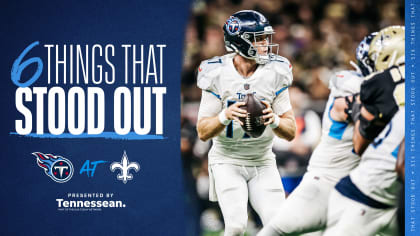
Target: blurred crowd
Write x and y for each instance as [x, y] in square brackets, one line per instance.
[319, 37]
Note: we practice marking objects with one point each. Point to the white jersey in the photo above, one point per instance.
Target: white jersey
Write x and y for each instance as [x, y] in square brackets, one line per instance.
[376, 176]
[219, 77]
[334, 158]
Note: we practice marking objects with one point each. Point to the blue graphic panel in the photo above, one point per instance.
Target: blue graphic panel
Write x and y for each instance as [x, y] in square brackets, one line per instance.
[412, 151]
[105, 183]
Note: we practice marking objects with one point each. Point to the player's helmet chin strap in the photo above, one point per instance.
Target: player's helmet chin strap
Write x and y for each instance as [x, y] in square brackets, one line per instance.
[229, 49]
[259, 59]
[233, 48]
[253, 49]
[352, 63]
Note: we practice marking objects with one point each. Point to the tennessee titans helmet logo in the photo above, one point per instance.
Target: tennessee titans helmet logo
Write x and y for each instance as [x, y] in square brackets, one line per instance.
[365, 63]
[362, 50]
[58, 168]
[233, 25]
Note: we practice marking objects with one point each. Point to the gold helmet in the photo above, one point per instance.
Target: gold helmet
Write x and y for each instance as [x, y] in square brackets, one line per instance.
[388, 47]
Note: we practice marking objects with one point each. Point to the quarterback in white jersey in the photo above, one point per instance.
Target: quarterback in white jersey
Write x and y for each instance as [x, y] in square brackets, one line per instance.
[331, 160]
[243, 168]
[364, 203]
[219, 79]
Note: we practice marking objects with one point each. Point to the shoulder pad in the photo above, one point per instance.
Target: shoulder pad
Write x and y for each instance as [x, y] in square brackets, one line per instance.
[208, 71]
[384, 84]
[345, 83]
[397, 73]
[283, 68]
[281, 64]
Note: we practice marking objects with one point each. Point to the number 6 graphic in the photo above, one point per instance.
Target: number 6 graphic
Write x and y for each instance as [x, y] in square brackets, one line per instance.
[18, 67]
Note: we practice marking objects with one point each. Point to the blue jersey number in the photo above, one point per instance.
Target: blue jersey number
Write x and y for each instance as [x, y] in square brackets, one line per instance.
[378, 141]
[213, 62]
[229, 127]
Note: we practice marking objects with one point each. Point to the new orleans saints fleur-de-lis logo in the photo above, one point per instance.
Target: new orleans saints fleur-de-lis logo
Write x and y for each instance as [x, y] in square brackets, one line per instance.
[125, 166]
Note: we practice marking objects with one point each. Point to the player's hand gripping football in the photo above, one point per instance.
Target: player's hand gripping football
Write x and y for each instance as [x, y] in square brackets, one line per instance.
[233, 112]
[269, 114]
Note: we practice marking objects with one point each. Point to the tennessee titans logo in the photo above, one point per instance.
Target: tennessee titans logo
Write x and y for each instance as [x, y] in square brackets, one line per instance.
[57, 168]
[362, 50]
[233, 25]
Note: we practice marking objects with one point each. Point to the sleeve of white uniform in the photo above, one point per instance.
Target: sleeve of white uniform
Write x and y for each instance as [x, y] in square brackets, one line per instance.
[208, 76]
[312, 129]
[210, 105]
[345, 83]
[281, 103]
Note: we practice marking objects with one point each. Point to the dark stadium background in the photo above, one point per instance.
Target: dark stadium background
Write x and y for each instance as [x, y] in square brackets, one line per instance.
[319, 37]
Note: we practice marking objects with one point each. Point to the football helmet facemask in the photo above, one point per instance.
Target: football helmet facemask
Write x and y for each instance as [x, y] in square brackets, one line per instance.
[250, 34]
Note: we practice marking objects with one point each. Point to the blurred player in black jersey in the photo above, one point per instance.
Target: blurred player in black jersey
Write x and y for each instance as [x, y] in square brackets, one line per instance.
[331, 160]
[365, 202]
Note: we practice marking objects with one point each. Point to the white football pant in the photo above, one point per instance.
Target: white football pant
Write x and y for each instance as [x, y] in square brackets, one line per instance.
[305, 209]
[347, 217]
[235, 184]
